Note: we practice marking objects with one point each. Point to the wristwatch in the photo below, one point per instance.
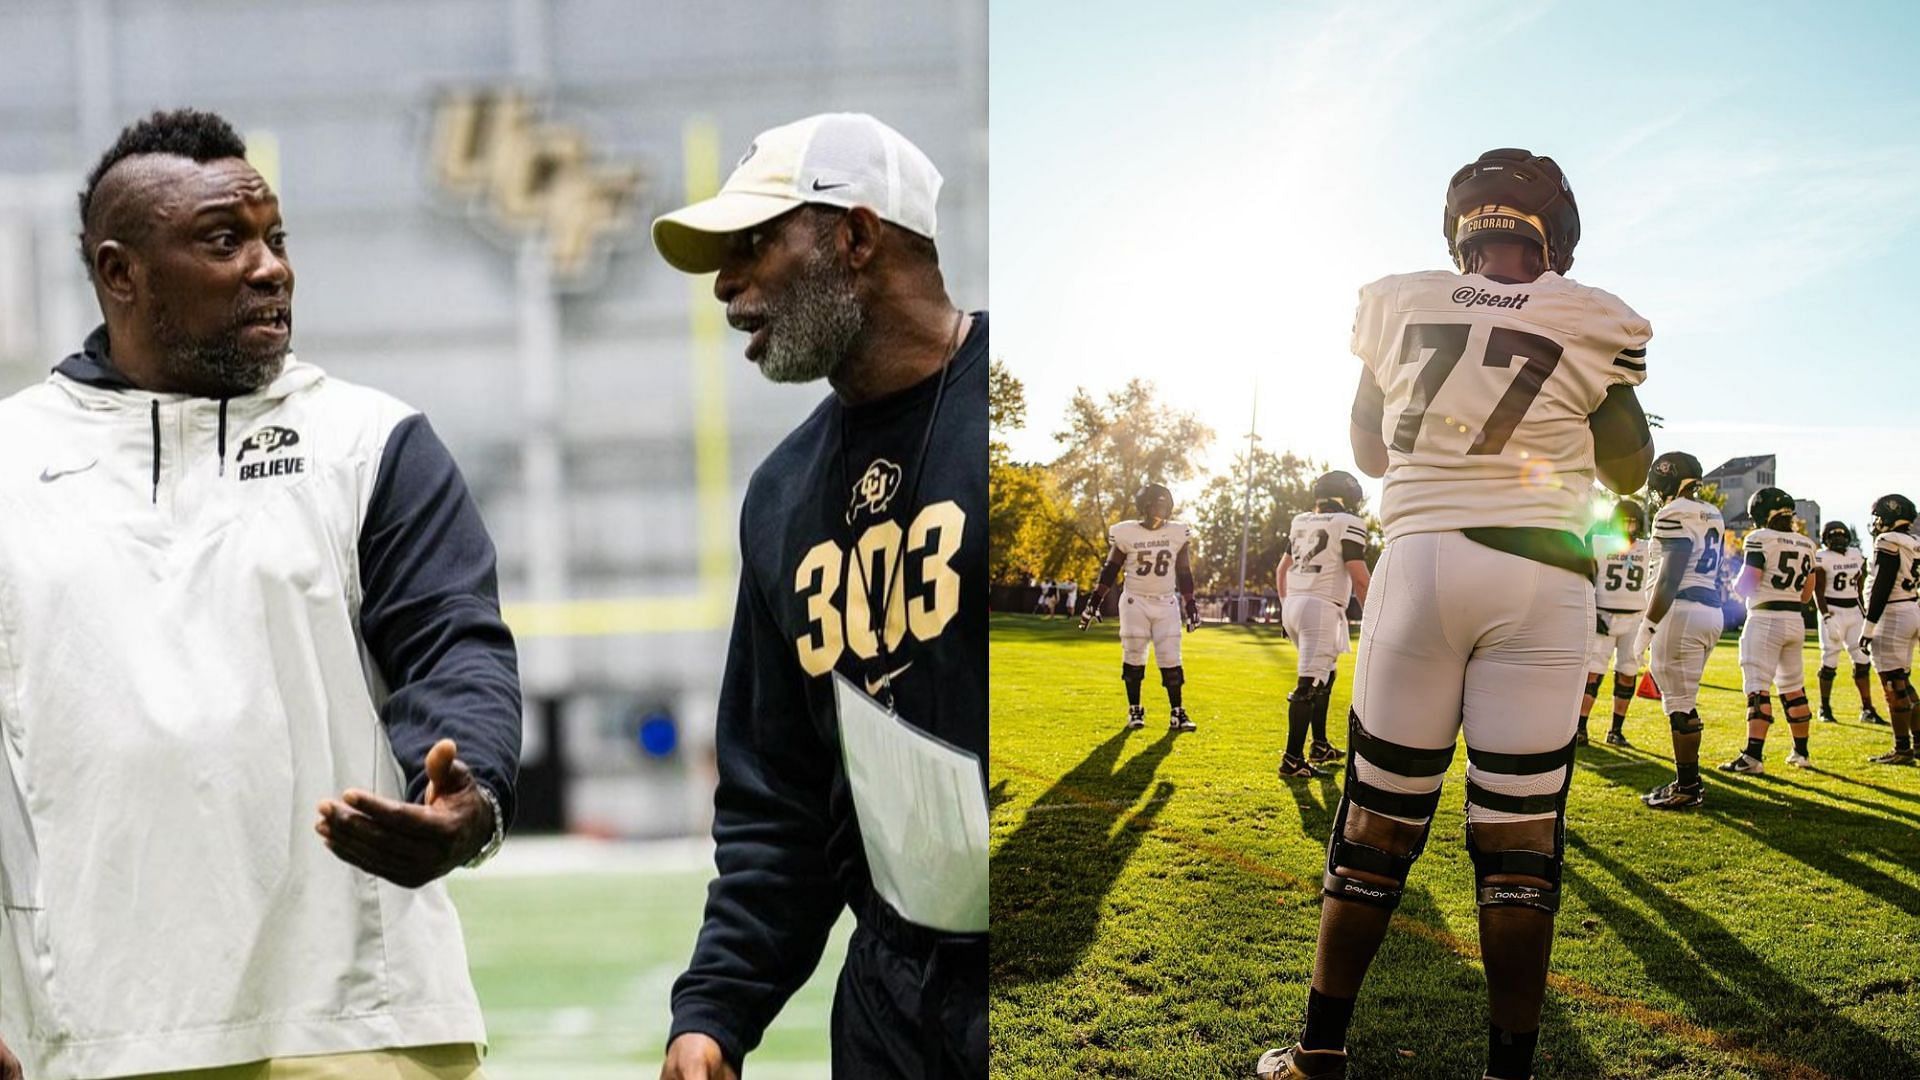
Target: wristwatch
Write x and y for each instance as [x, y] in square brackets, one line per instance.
[499, 828]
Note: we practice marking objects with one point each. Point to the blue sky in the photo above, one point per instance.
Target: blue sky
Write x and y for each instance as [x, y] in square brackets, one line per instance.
[1194, 193]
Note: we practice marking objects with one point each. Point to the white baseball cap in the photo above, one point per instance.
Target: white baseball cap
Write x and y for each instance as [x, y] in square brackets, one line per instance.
[834, 159]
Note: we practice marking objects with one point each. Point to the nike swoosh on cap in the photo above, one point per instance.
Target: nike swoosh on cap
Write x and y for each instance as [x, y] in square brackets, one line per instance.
[818, 186]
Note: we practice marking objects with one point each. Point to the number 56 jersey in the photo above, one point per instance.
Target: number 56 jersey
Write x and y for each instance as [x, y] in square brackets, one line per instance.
[1486, 389]
[1151, 555]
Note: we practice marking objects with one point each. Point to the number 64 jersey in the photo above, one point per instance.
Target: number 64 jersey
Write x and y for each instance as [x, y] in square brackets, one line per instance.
[1486, 389]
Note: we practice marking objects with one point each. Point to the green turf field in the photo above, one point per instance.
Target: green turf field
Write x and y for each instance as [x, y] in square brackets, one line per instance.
[574, 972]
[1155, 898]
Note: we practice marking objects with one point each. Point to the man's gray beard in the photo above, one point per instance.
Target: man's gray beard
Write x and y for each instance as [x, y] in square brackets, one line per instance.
[217, 367]
[814, 326]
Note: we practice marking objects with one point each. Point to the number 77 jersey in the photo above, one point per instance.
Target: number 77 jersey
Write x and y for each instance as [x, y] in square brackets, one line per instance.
[1486, 389]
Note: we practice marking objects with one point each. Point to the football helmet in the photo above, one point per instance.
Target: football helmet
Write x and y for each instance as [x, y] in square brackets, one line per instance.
[1891, 512]
[1631, 518]
[1671, 470]
[1836, 532]
[1338, 486]
[1154, 501]
[1762, 505]
[1517, 195]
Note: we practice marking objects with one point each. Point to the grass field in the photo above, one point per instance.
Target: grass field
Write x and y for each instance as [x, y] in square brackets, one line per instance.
[574, 960]
[1156, 897]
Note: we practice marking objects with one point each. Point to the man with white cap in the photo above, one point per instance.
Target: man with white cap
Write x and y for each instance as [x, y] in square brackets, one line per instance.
[863, 550]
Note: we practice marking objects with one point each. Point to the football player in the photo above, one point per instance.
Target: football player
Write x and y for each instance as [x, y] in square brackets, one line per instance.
[1157, 599]
[1776, 582]
[1892, 621]
[1839, 575]
[1325, 564]
[1683, 620]
[1488, 400]
[1620, 596]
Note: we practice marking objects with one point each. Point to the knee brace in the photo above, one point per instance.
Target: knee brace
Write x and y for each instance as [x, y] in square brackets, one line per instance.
[1303, 692]
[1342, 852]
[1593, 683]
[1899, 689]
[1173, 676]
[1685, 723]
[1827, 673]
[1623, 686]
[1860, 670]
[1133, 673]
[1535, 864]
[1756, 703]
[1795, 705]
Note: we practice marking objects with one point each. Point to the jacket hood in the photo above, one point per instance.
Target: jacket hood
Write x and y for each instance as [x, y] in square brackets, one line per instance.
[93, 367]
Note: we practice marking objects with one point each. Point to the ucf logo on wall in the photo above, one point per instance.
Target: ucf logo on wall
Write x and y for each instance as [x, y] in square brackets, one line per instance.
[491, 148]
[841, 587]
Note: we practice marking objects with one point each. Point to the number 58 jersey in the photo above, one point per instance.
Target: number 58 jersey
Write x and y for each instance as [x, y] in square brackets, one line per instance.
[1785, 561]
[1151, 554]
[1486, 389]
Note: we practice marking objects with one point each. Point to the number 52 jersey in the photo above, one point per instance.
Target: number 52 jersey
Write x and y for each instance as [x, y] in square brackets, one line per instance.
[1486, 389]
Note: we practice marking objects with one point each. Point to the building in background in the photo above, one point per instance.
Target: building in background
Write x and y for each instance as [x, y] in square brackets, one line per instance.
[1738, 478]
[603, 414]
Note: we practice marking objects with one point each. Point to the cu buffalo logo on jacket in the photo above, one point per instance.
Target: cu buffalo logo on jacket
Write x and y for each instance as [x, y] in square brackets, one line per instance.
[876, 489]
[264, 443]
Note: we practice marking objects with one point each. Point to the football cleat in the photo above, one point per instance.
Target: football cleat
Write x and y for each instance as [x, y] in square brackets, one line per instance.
[1892, 757]
[1752, 766]
[1826, 714]
[1321, 753]
[1799, 760]
[1871, 715]
[1675, 796]
[1136, 717]
[1177, 720]
[1616, 738]
[1293, 768]
[1298, 1063]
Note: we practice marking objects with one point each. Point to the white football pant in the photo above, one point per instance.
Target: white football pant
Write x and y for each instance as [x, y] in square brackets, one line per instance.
[1319, 632]
[1616, 645]
[1893, 637]
[1840, 634]
[1772, 652]
[1458, 635]
[1679, 653]
[1151, 620]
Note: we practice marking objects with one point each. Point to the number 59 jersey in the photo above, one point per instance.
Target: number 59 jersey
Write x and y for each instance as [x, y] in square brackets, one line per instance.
[1151, 554]
[1486, 389]
[1785, 561]
[1699, 524]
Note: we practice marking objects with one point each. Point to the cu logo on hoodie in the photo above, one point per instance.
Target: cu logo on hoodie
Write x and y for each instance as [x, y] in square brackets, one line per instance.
[265, 442]
[875, 489]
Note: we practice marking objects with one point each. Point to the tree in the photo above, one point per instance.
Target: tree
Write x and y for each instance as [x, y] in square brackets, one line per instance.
[1006, 409]
[1116, 444]
[1282, 487]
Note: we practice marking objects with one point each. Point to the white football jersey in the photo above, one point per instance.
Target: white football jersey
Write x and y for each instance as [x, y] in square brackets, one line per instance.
[1318, 543]
[1699, 523]
[1487, 389]
[1843, 571]
[1620, 577]
[1906, 547]
[1785, 560]
[1150, 554]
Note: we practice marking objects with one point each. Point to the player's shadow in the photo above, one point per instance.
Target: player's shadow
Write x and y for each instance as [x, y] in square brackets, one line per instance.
[1728, 988]
[1893, 793]
[1773, 814]
[1050, 878]
[1317, 799]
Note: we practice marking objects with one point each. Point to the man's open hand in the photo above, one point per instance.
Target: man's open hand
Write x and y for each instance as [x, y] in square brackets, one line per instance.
[411, 844]
[694, 1056]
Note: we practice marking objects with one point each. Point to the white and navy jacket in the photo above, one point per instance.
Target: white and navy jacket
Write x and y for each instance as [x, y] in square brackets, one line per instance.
[213, 615]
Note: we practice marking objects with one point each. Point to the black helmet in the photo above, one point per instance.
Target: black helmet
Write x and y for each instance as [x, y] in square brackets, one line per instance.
[1891, 512]
[1145, 499]
[1836, 528]
[1515, 194]
[1767, 502]
[1631, 517]
[1670, 470]
[1339, 487]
